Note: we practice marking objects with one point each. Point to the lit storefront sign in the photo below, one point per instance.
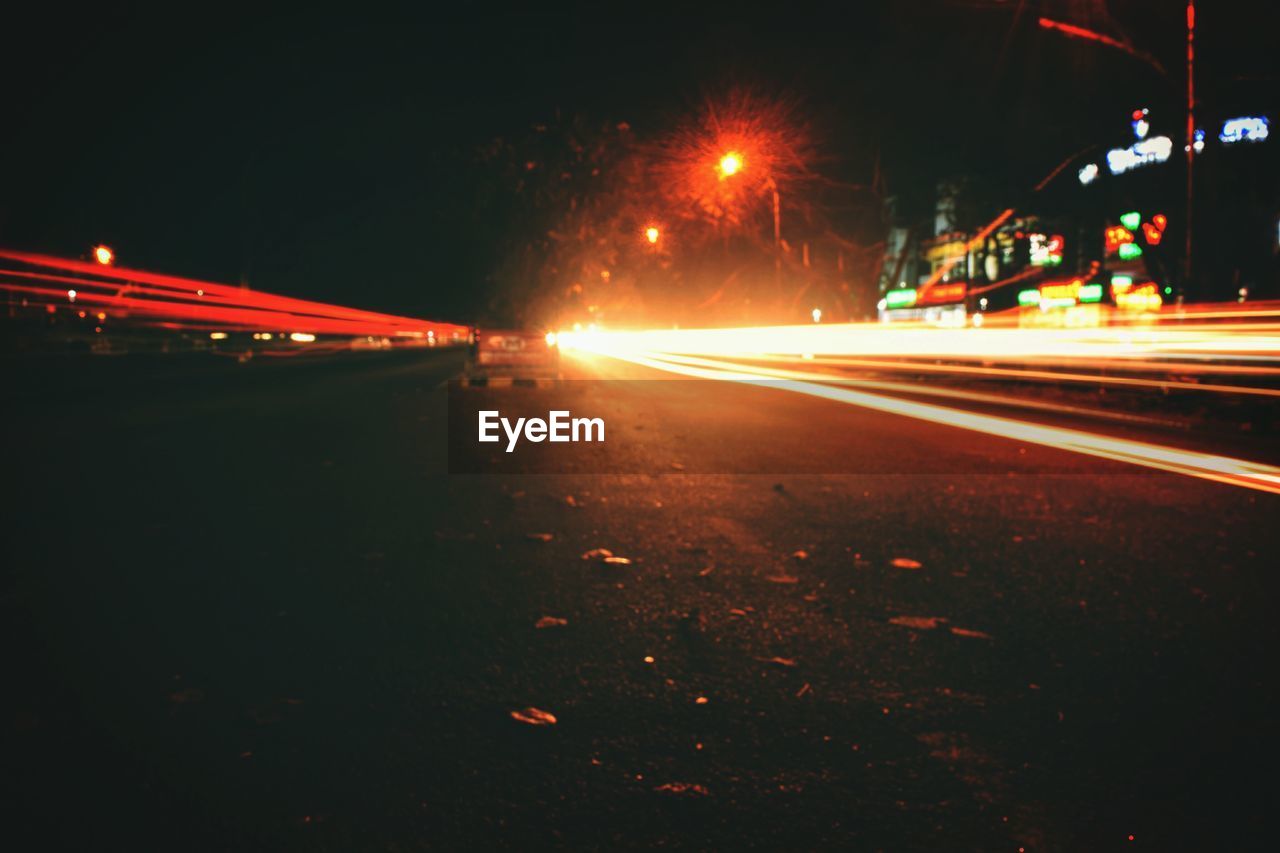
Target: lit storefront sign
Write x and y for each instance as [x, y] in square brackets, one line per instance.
[1245, 129]
[1144, 152]
[1045, 250]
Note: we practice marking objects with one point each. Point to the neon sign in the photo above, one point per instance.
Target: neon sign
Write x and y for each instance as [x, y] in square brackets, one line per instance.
[1117, 236]
[942, 293]
[1141, 153]
[903, 298]
[1045, 251]
[1054, 294]
[1245, 129]
[1142, 297]
[1129, 251]
[1140, 123]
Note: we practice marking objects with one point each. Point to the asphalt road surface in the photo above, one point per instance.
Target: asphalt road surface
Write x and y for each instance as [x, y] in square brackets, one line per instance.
[245, 606]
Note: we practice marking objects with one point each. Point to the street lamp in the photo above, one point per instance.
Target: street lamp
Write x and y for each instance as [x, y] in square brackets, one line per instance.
[731, 164]
[104, 255]
[652, 234]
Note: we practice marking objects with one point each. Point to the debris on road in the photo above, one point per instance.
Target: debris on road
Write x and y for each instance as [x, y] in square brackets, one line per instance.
[540, 537]
[800, 555]
[534, 717]
[551, 622]
[803, 690]
[617, 561]
[967, 632]
[783, 579]
[571, 500]
[921, 623]
[683, 788]
[906, 563]
[597, 554]
[704, 572]
[788, 662]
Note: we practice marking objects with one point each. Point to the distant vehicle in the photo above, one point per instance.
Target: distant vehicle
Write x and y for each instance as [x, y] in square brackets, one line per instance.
[521, 354]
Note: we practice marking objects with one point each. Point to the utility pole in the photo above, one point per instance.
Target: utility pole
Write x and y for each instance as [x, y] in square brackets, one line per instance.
[1191, 130]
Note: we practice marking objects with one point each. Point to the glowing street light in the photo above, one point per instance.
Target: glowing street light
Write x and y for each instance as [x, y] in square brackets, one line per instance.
[730, 164]
[104, 255]
[817, 315]
[652, 234]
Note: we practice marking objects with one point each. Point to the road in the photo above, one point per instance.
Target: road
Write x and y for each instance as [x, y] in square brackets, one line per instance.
[247, 607]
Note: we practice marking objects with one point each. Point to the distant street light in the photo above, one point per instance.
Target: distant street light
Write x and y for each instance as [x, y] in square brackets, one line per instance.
[817, 315]
[652, 234]
[104, 255]
[730, 164]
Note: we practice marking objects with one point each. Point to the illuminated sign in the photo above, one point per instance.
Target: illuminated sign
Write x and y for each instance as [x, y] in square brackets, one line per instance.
[1088, 174]
[1046, 251]
[903, 298]
[1153, 234]
[1140, 123]
[942, 293]
[1129, 251]
[1053, 294]
[1245, 129]
[1131, 220]
[1060, 290]
[1144, 152]
[1029, 297]
[1117, 236]
[1130, 297]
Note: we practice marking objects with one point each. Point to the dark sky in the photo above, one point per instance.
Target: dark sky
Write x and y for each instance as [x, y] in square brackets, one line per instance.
[330, 154]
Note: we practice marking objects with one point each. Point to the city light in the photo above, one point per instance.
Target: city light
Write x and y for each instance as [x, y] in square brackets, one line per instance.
[730, 164]
[1142, 153]
[652, 234]
[900, 298]
[148, 298]
[1245, 129]
[104, 255]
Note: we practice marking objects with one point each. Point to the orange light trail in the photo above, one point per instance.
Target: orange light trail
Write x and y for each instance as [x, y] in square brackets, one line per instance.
[703, 354]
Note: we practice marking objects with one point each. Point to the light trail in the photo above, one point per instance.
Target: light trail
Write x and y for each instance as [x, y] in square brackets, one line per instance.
[1248, 353]
[1054, 376]
[629, 348]
[172, 302]
[922, 390]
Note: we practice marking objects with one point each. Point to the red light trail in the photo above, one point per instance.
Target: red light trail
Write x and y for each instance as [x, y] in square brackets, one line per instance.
[173, 302]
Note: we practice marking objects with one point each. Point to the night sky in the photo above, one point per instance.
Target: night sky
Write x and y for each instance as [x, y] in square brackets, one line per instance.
[333, 156]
